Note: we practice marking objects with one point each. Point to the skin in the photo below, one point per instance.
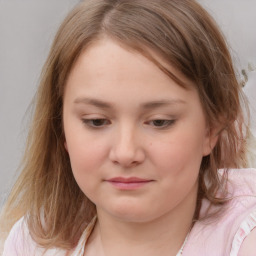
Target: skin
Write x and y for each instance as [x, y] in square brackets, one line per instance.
[123, 117]
[248, 247]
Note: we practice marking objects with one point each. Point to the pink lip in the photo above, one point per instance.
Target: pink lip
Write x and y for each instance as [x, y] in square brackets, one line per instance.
[130, 183]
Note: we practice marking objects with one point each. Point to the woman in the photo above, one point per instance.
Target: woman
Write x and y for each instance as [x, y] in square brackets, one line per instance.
[137, 111]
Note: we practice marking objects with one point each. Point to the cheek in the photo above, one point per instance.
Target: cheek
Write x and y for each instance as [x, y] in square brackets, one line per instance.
[86, 163]
[84, 157]
[87, 156]
[181, 154]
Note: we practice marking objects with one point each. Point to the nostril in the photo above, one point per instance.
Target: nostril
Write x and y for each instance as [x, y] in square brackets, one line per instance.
[126, 162]
[115, 162]
[126, 152]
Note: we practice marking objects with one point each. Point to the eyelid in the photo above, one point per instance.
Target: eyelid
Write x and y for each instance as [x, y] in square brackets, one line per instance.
[166, 123]
[89, 122]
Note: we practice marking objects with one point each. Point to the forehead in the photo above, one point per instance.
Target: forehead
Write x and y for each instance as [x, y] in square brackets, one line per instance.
[108, 69]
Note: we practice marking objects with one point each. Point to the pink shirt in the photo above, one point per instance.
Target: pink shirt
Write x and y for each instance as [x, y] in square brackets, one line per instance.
[222, 236]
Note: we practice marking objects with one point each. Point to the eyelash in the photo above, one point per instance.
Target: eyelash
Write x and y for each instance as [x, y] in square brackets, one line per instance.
[162, 123]
[91, 122]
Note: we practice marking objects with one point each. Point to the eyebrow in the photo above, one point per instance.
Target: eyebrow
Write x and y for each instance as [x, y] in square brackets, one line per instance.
[147, 105]
[94, 102]
[162, 103]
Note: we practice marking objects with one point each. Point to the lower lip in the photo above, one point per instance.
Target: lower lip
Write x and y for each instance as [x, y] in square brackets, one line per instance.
[129, 185]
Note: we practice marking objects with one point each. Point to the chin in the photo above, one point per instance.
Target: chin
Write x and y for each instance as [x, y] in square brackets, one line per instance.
[133, 214]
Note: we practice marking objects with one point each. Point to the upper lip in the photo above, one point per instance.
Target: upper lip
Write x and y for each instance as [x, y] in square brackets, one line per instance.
[128, 180]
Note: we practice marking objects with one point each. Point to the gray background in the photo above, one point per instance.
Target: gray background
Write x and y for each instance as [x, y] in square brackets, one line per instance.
[27, 28]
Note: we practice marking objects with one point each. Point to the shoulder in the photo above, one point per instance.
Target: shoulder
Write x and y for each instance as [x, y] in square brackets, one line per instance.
[244, 242]
[19, 243]
[241, 188]
[14, 244]
[242, 211]
[231, 230]
[241, 181]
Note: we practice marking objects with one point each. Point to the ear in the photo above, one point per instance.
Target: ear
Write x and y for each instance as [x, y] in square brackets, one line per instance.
[211, 139]
[66, 146]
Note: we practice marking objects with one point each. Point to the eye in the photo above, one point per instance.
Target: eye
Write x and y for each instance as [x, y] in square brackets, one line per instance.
[161, 123]
[96, 122]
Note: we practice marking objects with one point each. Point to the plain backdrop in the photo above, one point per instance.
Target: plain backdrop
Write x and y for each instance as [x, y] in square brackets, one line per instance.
[27, 28]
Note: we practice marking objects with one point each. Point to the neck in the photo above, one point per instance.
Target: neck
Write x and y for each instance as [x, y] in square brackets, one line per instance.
[162, 236]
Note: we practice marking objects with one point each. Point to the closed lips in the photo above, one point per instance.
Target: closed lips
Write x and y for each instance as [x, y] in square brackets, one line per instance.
[128, 180]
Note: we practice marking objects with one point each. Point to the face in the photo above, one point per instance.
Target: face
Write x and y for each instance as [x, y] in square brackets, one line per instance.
[135, 138]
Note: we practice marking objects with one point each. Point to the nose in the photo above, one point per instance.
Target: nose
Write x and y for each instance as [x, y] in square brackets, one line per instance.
[126, 150]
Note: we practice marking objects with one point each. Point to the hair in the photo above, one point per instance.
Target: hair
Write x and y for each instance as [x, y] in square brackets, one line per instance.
[185, 36]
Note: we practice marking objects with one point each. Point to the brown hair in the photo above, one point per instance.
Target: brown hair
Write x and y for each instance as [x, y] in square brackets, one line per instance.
[183, 34]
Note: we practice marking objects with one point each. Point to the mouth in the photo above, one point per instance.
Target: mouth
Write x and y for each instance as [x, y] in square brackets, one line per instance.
[130, 183]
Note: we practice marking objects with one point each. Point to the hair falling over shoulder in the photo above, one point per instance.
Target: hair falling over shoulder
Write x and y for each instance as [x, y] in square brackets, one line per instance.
[184, 35]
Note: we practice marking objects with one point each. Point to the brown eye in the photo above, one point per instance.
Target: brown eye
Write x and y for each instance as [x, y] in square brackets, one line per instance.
[96, 122]
[161, 123]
